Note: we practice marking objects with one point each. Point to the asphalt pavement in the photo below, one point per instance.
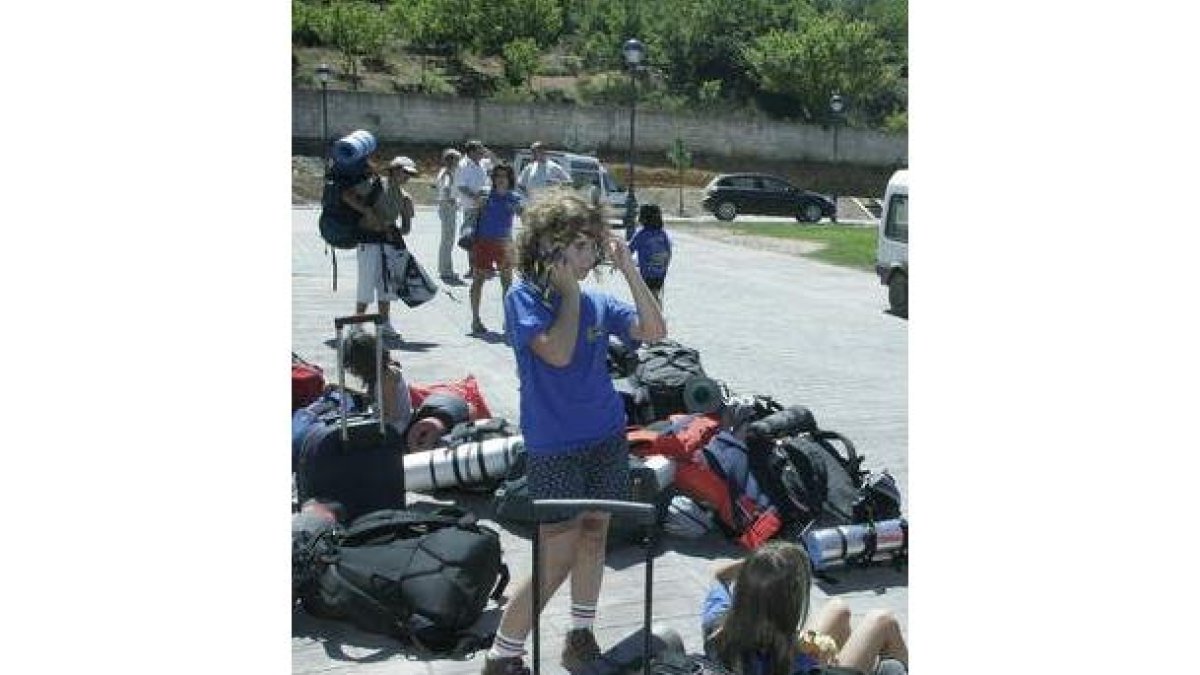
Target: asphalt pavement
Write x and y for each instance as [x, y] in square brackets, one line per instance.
[805, 332]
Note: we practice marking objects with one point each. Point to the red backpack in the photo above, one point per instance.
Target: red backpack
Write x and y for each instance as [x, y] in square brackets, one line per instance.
[308, 382]
[680, 438]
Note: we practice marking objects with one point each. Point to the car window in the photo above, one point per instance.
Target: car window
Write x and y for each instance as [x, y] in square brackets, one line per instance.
[774, 185]
[740, 182]
[896, 226]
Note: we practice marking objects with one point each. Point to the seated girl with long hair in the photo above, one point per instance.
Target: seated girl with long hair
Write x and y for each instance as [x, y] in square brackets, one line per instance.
[755, 626]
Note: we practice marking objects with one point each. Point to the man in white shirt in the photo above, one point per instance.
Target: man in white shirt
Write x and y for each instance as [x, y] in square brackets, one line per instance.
[541, 173]
[470, 182]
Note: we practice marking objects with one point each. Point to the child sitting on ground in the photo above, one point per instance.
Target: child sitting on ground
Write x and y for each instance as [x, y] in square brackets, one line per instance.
[757, 625]
[652, 247]
[359, 360]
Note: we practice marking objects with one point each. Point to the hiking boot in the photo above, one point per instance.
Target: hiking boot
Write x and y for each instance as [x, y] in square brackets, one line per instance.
[509, 665]
[579, 649]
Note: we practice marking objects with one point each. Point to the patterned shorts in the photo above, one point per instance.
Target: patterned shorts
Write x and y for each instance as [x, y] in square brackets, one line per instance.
[599, 471]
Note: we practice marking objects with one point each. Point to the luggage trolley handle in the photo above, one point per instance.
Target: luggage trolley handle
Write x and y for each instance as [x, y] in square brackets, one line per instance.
[338, 324]
[637, 512]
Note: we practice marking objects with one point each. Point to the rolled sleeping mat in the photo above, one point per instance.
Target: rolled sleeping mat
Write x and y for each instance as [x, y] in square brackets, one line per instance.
[462, 466]
[790, 421]
[354, 147]
[702, 395]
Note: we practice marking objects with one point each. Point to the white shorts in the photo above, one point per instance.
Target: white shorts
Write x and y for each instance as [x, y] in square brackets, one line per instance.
[371, 286]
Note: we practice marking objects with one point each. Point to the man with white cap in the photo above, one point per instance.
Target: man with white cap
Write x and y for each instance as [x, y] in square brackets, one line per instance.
[382, 243]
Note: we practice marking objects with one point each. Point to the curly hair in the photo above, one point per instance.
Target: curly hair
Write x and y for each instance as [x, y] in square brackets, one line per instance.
[770, 603]
[551, 224]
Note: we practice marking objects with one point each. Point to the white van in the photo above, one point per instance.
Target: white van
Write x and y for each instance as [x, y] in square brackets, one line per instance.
[891, 253]
[588, 175]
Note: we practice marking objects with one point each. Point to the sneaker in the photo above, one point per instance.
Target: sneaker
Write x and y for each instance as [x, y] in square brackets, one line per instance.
[510, 665]
[579, 649]
[387, 331]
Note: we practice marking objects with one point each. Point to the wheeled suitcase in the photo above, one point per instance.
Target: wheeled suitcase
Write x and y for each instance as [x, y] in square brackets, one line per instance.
[355, 459]
[643, 515]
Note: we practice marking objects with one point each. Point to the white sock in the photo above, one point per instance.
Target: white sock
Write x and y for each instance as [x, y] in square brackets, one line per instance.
[582, 616]
[505, 647]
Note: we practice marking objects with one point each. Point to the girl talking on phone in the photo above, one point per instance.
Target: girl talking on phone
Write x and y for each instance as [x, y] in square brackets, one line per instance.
[572, 419]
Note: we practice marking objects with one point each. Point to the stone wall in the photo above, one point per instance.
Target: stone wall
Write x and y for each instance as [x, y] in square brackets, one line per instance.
[451, 120]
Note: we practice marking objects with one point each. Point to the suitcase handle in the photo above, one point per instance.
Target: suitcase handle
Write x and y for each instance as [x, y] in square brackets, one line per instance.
[638, 512]
[339, 323]
[343, 321]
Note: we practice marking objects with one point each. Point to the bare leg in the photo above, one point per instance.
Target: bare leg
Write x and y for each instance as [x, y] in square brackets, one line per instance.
[558, 544]
[878, 637]
[834, 621]
[476, 295]
[588, 571]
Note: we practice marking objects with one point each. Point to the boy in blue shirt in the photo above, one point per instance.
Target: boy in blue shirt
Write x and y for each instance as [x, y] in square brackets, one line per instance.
[653, 249]
[572, 418]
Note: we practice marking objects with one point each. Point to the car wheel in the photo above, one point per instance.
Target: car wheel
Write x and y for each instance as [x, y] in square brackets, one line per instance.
[810, 213]
[726, 211]
[898, 294]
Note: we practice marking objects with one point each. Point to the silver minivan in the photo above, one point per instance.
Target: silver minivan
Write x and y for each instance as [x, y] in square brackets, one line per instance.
[891, 252]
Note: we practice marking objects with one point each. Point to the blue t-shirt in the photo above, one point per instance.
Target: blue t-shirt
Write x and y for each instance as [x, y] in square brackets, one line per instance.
[716, 606]
[496, 218]
[576, 405]
[653, 249]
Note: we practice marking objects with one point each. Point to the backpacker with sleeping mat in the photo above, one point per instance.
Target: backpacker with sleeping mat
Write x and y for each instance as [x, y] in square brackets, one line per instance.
[422, 577]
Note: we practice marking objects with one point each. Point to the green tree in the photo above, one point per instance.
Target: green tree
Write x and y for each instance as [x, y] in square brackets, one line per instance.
[680, 158]
[356, 29]
[830, 54]
[520, 61]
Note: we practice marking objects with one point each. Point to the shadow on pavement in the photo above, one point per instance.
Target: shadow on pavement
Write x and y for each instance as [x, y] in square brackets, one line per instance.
[878, 577]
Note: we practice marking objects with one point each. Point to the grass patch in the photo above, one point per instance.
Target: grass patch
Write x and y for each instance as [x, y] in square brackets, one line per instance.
[846, 245]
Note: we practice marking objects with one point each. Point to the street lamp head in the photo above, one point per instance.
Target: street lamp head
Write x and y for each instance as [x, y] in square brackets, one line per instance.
[323, 72]
[634, 52]
[837, 104]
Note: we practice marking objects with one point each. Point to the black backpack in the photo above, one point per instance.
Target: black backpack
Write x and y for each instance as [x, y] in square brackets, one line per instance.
[835, 475]
[663, 370]
[422, 577]
[339, 224]
[807, 479]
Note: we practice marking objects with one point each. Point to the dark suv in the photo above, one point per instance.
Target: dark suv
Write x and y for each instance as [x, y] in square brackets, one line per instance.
[731, 194]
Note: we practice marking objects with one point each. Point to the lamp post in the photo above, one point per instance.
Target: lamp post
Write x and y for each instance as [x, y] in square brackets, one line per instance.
[323, 73]
[634, 52]
[837, 106]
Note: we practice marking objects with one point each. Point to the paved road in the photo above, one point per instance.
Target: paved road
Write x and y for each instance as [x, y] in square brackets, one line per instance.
[802, 331]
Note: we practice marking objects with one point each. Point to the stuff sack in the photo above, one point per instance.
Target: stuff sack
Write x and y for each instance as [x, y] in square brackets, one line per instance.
[424, 578]
[878, 499]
